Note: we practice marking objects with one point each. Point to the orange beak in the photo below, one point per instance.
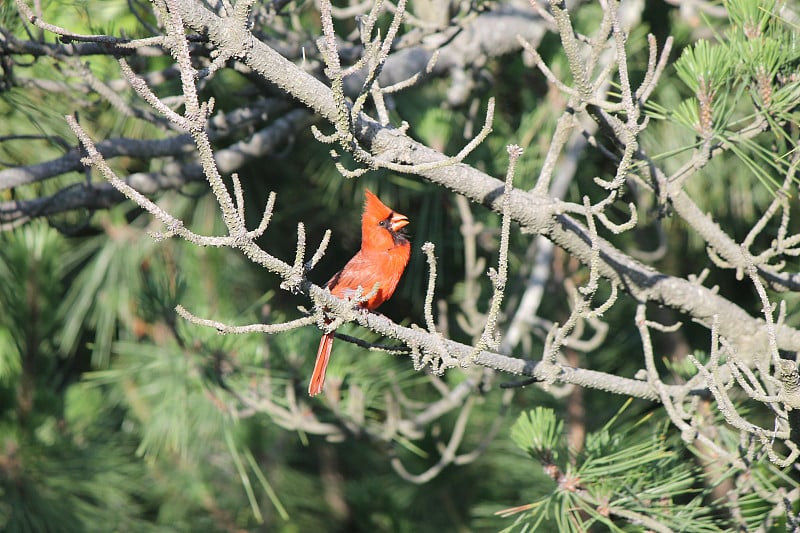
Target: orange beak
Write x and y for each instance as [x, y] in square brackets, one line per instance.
[399, 222]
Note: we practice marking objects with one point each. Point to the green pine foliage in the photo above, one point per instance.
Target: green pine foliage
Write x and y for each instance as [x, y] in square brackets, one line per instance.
[747, 71]
[627, 478]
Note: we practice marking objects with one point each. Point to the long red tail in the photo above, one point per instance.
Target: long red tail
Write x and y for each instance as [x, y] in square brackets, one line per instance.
[323, 354]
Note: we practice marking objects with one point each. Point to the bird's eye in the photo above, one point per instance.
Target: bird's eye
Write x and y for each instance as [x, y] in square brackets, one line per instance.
[385, 223]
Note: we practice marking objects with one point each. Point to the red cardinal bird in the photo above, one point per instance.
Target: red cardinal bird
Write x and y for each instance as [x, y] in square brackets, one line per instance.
[382, 259]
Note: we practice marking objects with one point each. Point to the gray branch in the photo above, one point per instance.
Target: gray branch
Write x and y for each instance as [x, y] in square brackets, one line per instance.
[535, 213]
